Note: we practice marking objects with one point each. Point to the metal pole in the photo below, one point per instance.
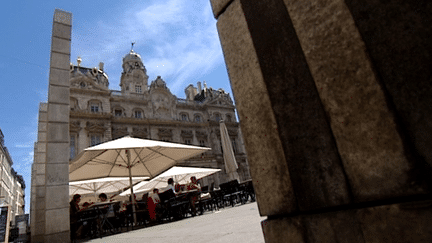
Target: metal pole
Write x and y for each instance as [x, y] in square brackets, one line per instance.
[131, 187]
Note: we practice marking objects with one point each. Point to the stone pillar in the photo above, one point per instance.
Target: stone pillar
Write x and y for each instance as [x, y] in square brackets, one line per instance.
[334, 102]
[37, 208]
[52, 192]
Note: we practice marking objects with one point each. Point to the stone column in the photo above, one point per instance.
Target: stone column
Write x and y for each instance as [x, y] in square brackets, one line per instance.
[52, 207]
[37, 209]
[334, 103]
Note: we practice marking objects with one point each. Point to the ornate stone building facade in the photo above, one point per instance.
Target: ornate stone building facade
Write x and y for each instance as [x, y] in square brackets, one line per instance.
[151, 111]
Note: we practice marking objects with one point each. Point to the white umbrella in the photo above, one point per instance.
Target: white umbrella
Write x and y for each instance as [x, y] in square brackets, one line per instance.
[181, 175]
[228, 153]
[129, 157]
[105, 185]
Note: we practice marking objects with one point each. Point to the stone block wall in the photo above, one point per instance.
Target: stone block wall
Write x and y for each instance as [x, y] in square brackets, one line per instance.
[50, 173]
[334, 103]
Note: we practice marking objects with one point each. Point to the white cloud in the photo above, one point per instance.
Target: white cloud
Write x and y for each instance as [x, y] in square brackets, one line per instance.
[24, 145]
[176, 39]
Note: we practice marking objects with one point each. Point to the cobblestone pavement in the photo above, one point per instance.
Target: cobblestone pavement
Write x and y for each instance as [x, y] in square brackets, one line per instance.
[240, 224]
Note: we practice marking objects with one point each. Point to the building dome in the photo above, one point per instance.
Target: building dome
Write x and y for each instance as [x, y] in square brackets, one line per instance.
[132, 57]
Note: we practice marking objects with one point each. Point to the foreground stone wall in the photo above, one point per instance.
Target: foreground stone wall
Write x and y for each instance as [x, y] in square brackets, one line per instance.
[338, 141]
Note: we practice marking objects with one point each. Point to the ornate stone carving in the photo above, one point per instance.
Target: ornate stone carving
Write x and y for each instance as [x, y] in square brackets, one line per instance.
[95, 127]
[186, 134]
[201, 134]
[139, 132]
[74, 126]
[161, 106]
[165, 133]
[118, 132]
[231, 132]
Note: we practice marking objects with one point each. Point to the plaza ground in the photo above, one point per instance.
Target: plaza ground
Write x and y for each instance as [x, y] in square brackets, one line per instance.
[240, 224]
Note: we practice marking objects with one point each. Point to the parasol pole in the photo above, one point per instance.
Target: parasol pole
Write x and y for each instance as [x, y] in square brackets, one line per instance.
[131, 186]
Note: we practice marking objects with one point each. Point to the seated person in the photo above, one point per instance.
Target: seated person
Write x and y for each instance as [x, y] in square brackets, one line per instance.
[105, 211]
[170, 186]
[193, 184]
[76, 228]
[103, 197]
[193, 198]
[152, 202]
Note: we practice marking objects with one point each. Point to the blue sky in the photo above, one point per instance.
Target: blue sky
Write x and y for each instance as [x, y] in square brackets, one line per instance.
[176, 39]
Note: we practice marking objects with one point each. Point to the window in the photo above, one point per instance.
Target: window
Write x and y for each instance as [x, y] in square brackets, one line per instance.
[137, 88]
[184, 117]
[95, 139]
[217, 117]
[73, 104]
[138, 114]
[118, 112]
[197, 118]
[94, 107]
[233, 142]
[202, 143]
[228, 118]
[188, 141]
[72, 145]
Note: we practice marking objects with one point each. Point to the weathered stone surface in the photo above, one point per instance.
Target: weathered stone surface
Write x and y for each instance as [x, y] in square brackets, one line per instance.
[59, 77]
[40, 180]
[40, 205]
[409, 222]
[401, 51]
[58, 132]
[62, 17]
[218, 6]
[57, 174]
[60, 61]
[42, 137]
[39, 229]
[57, 221]
[62, 31]
[271, 177]
[57, 153]
[364, 127]
[283, 230]
[311, 154]
[43, 116]
[42, 126]
[60, 45]
[40, 191]
[327, 227]
[41, 147]
[58, 196]
[341, 226]
[40, 157]
[58, 237]
[59, 94]
[39, 169]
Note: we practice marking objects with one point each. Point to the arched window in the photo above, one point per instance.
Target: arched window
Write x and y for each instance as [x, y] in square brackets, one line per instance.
[217, 116]
[184, 116]
[228, 118]
[197, 118]
[138, 113]
[118, 111]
